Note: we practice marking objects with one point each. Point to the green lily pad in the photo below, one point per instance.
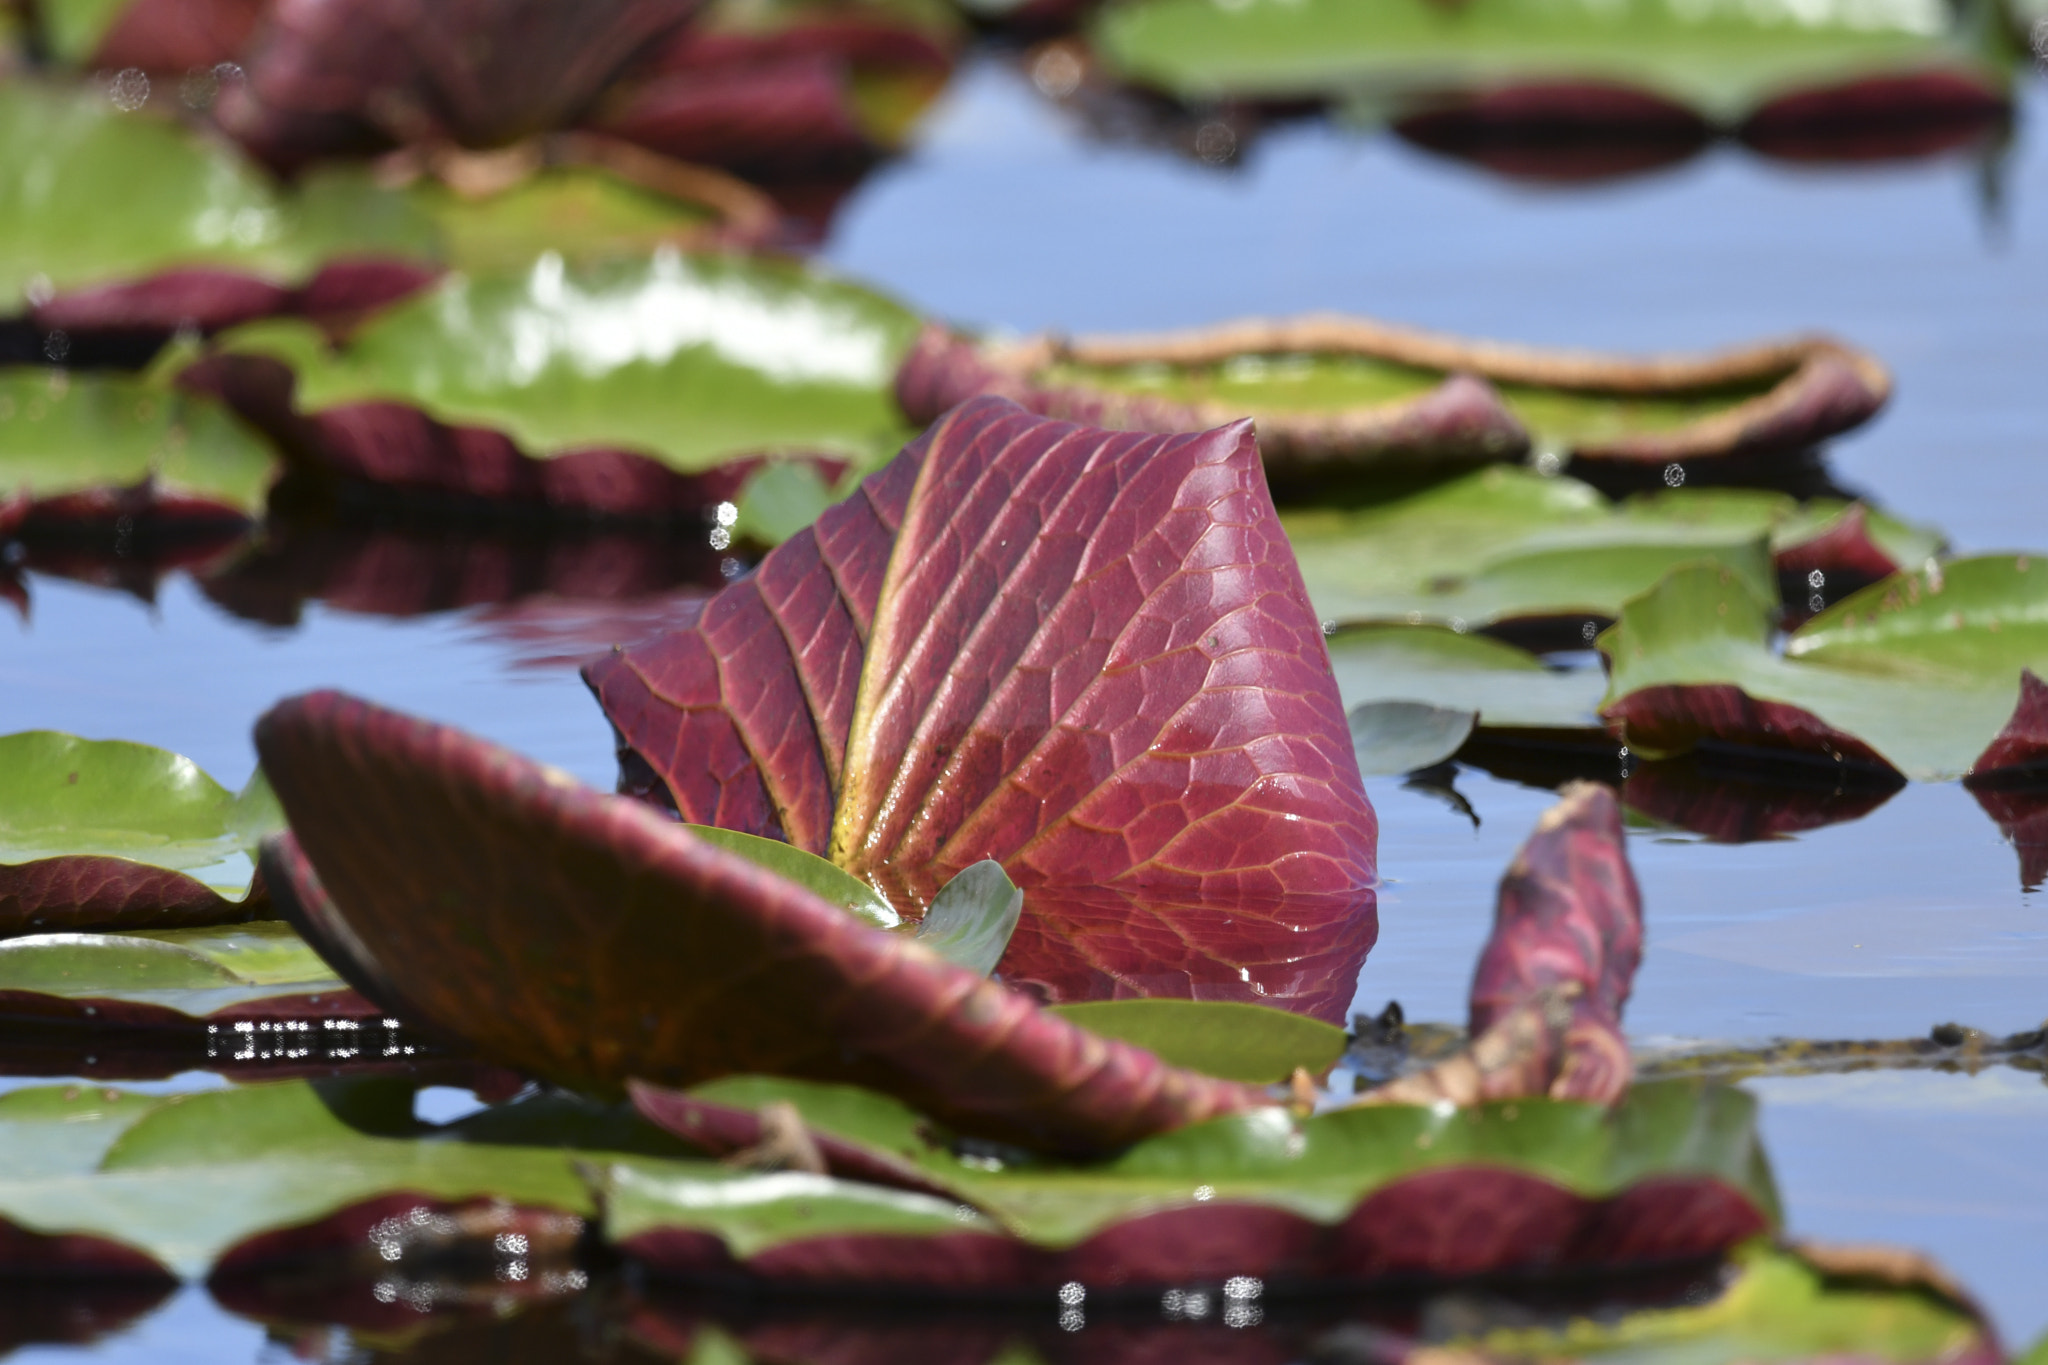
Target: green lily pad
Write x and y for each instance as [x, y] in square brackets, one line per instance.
[92, 195]
[692, 359]
[1720, 59]
[73, 170]
[1506, 687]
[1920, 671]
[1503, 544]
[65, 796]
[193, 973]
[1390, 737]
[1226, 1038]
[186, 1177]
[1318, 1170]
[63, 433]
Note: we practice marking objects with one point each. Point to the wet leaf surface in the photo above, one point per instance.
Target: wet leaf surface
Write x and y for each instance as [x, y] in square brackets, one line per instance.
[1920, 673]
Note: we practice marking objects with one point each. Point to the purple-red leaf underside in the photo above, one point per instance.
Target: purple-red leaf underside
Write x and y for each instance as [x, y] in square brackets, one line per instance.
[1085, 654]
[91, 892]
[587, 939]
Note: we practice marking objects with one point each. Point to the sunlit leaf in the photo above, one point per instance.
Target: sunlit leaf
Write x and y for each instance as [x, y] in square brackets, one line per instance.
[1919, 673]
[691, 360]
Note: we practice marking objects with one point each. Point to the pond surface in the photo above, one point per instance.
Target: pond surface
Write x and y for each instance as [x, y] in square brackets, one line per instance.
[1006, 214]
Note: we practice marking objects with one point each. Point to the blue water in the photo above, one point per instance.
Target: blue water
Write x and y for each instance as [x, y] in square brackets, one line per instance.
[1004, 215]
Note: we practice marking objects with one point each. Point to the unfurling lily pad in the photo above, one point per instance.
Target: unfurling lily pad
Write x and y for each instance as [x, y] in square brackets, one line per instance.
[1023, 640]
[587, 939]
[1331, 393]
[1920, 674]
[82, 452]
[104, 834]
[1236, 1041]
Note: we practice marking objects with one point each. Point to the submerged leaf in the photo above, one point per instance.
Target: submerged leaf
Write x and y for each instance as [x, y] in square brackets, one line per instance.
[587, 939]
[1920, 673]
[1085, 655]
[1329, 392]
[102, 834]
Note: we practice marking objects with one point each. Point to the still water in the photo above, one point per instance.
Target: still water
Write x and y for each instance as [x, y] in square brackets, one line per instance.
[1006, 215]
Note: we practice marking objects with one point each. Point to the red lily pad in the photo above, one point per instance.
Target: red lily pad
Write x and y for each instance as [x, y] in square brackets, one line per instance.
[1086, 655]
[331, 77]
[788, 93]
[586, 939]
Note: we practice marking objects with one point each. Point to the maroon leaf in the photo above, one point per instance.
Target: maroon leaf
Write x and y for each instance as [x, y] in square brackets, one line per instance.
[2023, 743]
[1552, 979]
[201, 296]
[1677, 717]
[338, 76]
[1844, 552]
[1298, 952]
[89, 892]
[1437, 1225]
[178, 36]
[586, 939]
[1879, 118]
[791, 116]
[1087, 655]
[1561, 131]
